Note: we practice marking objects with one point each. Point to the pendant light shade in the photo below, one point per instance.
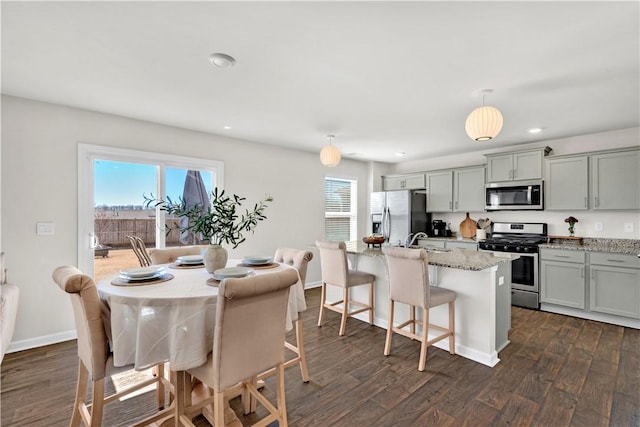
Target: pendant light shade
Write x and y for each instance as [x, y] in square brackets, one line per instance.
[484, 123]
[330, 155]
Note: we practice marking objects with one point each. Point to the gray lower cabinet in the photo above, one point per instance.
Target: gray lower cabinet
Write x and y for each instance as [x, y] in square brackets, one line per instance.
[562, 283]
[614, 285]
[461, 245]
[599, 282]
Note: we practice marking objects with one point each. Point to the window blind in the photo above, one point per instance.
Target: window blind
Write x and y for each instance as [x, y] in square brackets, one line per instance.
[340, 197]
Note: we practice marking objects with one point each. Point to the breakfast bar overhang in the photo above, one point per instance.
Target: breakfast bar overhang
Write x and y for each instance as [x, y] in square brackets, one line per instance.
[482, 282]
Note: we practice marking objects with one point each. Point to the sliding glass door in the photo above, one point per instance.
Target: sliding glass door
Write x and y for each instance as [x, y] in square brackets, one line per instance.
[112, 184]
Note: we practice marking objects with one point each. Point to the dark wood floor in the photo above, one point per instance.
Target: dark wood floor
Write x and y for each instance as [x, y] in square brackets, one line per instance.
[557, 371]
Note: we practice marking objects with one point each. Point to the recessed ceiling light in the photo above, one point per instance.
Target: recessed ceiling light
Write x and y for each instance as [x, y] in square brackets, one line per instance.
[535, 130]
[400, 153]
[222, 60]
[227, 127]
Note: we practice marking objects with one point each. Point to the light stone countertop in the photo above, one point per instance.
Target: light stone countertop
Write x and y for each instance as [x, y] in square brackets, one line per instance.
[462, 259]
[452, 239]
[619, 246]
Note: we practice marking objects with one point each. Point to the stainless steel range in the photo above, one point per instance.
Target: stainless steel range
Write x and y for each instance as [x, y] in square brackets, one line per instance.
[523, 239]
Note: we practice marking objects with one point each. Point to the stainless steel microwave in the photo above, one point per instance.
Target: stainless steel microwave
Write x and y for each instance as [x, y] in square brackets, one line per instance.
[514, 196]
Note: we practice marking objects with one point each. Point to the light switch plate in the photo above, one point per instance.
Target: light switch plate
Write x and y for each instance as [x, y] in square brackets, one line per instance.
[628, 227]
[45, 228]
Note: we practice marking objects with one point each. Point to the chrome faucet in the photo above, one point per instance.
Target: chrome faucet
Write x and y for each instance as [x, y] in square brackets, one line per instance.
[408, 242]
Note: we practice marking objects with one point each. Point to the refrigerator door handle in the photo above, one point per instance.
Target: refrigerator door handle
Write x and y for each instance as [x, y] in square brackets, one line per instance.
[387, 224]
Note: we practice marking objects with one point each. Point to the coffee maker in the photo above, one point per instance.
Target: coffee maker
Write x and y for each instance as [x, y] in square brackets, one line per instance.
[439, 228]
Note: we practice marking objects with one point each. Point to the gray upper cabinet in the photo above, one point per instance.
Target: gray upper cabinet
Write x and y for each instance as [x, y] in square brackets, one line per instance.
[567, 183]
[439, 191]
[615, 180]
[468, 190]
[516, 166]
[457, 190]
[403, 182]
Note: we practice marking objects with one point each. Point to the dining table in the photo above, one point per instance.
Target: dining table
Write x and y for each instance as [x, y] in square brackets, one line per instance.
[172, 319]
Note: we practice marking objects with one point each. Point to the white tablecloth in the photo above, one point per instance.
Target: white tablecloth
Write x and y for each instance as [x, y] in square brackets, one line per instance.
[172, 321]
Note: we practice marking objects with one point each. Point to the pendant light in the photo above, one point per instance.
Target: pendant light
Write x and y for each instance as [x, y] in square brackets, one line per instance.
[330, 155]
[484, 123]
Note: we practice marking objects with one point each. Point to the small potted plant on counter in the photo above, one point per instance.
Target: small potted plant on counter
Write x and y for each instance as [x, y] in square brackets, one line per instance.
[572, 222]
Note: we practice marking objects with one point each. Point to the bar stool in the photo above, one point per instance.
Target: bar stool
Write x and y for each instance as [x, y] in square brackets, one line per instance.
[335, 271]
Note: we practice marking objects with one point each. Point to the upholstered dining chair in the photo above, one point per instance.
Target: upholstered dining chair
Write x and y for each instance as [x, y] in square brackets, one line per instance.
[299, 259]
[248, 339]
[167, 255]
[409, 284]
[95, 363]
[139, 248]
[335, 271]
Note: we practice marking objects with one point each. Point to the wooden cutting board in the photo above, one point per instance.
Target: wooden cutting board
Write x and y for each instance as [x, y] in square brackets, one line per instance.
[468, 227]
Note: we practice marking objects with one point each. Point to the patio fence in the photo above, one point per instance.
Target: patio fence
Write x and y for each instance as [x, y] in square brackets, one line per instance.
[113, 231]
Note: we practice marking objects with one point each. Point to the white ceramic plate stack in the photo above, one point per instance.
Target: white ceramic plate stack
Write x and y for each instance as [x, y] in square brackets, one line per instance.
[256, 260]
[189, 260]
[142, 273]
[232, 272]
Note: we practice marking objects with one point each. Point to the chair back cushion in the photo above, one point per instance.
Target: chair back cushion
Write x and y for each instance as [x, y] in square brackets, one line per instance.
[250, 326]
[297, 258]
[139, 248]
[167, 255]
[408, 275]
[333, 262]
[88, 312]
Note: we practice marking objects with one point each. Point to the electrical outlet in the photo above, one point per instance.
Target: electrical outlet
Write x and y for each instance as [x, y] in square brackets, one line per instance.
[628, 227]
[45, 228]
[598, 226]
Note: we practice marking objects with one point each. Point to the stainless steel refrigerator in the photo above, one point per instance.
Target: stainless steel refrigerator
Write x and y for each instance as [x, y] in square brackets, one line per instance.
[396, 214]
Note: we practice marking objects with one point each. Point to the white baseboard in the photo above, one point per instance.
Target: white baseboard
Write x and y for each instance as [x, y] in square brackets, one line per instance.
[42, 341]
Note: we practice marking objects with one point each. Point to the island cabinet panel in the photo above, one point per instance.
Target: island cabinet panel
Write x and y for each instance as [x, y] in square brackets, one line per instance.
[615, 180]
[562, 283]
[567, 183]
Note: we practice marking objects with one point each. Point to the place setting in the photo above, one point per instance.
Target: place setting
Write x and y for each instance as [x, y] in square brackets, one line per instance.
[188, 261]
[142, 276]
[259, 262]
[227, 273]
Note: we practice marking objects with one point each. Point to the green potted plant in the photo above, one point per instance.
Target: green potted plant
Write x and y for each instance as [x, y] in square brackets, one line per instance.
[219, 223]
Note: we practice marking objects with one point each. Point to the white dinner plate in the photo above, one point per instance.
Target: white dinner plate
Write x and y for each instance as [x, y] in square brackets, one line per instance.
[139, 279]
[256, 260]
[189, 259]
[225, 273]
[142, 272]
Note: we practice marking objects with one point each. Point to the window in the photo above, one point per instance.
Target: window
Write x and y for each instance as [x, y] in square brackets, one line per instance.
[341, 207]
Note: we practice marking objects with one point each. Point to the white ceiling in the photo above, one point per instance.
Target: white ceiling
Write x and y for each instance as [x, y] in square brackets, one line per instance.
[382, 76]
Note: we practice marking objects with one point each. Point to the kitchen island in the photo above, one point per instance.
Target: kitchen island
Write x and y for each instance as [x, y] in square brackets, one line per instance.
[481, 280]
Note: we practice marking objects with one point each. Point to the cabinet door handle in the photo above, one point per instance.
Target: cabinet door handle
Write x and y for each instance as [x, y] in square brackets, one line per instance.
[513, 174]
[597, 202]
[561, 256]
[592, 274]
[615, 260]
[456, 204]
[586, 203]
[582, 272]
[450, 205]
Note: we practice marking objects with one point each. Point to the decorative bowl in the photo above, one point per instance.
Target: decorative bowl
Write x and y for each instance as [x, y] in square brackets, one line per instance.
[373, 240]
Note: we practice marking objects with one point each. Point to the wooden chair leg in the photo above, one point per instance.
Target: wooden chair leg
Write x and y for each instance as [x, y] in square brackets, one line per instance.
[280, 396]
[81, 392]
[97, 402]
[425, 338]
[412, 317]
[387, 344]
[158, 372]
[371, 303]
[180, 392]
[323, 295]
[452, 320]
[345, 300]
[218, 409]
[304, 371]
